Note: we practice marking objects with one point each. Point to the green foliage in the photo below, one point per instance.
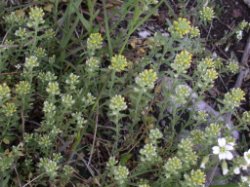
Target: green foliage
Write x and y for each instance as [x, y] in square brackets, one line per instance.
[77, 109]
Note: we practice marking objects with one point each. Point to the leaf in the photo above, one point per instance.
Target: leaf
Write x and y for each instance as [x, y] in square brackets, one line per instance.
[6, 140]
[226, 185]
[124, 158]
[48, 7]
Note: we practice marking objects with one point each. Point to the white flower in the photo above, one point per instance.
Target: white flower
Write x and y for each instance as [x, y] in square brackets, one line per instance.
[223, 149]
[244, 167]
[247, 156]
[244, 179]
[237, 171]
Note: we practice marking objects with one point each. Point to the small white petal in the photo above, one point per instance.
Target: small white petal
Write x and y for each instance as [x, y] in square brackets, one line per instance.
[222, 156]
[229, 155]
[222, 142]
[243, 179]
[247, 156]
[224, 171]
[237, 170]
[216, 150]
[203, 166]
[244, 167]
[229, 147]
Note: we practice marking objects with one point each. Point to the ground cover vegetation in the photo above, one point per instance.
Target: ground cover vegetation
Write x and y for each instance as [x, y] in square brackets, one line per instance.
[88, 99]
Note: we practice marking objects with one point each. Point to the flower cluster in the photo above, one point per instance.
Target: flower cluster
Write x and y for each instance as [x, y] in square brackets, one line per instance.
[118, 63]
[15, 18]
[92, 64]
[233, 66]
[4, 92]
[53, 88]
[40, 52]
[154, 135]
[201, 116]
[31, 62]
[181, 94]
[117, 104]
[47, 76]
[72, 81]
[148, 154]
[36, 15]
[182, 62]
[172, 167]
[23, 88]
[208, 137]
[9, 109]
[194, 32]
[246, 117]
[195, 178]
[233, 98]
[207, 73]
[207, 14]
[186, 153]
[50, 167]
[67, 101]
[94, 41]
[48, 108]
[89, 99]
[145, 80]
[181, 27]
[119, 173]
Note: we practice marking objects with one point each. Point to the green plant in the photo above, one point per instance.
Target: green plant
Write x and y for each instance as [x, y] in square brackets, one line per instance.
[77, 109]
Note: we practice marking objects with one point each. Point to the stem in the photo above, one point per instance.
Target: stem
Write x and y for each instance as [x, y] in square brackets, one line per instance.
[117, 130]
[107, 29]
[112, 81]
[137, 104]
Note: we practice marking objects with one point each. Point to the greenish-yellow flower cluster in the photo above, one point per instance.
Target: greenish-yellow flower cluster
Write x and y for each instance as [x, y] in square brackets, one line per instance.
[182, 27]
[233, 66]
[92, 64]
[196, 178]
[50, 167]
[182, 62]
[94, 41]
[9, 109]
[186, 153]
[148, 153]
[67, 100]
[31, 62]
[207, 14]
[181, 94]
[233, 98]
[53, 88]
[207, 73]
[23, 88]
[4, 92]
[246, 117]
[118, 63]
[72, 81]
[36, 15]
[119, 173]
[172, 167]
[146, 80]
[117, 104]
[15, 18]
